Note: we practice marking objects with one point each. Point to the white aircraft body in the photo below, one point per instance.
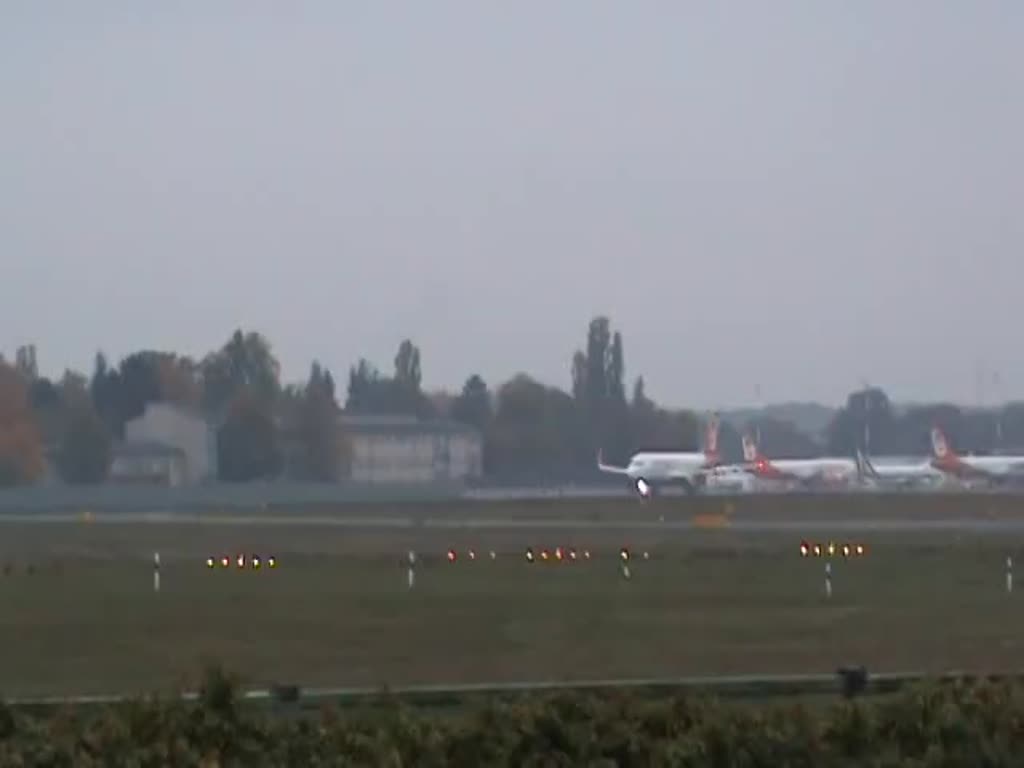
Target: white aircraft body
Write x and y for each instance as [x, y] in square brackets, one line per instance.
[898, 475]
[806, 473]
[649, 469]
[730, 478]
[991, 469]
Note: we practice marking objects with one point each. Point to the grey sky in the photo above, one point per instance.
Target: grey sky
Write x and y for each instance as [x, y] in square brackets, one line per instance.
[801, 194]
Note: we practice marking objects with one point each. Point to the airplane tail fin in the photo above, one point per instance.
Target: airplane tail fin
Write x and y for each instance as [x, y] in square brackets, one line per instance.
[751, 453]
[711, 452]
[940, 446]
[864, 466]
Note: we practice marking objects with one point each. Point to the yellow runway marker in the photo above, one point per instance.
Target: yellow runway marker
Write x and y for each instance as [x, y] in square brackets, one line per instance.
[710, 521]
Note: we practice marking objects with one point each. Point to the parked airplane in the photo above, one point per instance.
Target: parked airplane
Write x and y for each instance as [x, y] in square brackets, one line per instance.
[992, 469]
[901, 475]
[649, 469]
[806, 473]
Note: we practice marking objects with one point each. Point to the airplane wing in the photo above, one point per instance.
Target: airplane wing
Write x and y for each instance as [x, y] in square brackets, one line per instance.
[610, 468]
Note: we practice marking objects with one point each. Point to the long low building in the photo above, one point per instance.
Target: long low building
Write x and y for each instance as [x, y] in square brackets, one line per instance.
[392, 449]
[397, 450]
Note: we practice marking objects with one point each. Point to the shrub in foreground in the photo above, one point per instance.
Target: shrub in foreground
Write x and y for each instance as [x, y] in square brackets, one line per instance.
[953, 724]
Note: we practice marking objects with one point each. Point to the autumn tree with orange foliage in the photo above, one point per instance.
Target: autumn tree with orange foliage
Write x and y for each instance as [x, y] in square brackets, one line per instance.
[21, 449]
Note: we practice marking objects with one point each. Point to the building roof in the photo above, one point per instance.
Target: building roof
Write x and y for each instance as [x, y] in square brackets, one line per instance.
[146, 448]
[372, 424]
[179, 408]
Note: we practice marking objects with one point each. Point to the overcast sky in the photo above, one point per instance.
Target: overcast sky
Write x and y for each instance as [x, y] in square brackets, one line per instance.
[796, 195]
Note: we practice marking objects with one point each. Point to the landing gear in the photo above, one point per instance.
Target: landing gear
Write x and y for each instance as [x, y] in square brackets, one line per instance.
[644, 488]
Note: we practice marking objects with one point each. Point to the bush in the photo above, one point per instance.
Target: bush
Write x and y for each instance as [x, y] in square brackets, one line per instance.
[948, 724]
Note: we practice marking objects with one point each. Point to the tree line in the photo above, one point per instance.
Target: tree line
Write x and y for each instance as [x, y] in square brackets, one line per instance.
[531, 430]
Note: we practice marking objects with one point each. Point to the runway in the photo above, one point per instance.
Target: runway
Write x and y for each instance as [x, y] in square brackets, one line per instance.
[964, 524]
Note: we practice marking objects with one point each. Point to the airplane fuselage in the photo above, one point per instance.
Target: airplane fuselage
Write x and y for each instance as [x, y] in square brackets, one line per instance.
[653, 469]
[982, 467]
[904, 474]
[826, 471]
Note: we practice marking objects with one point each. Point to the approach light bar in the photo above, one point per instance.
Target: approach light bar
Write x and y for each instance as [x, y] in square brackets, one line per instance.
[241, 561]
[832, 548]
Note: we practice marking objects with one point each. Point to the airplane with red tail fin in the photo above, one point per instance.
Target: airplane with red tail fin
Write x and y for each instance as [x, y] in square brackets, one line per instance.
[807, 473]
[648, 470]
[992, 469]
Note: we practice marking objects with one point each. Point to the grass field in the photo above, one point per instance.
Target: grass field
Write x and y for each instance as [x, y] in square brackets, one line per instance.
[337, 611]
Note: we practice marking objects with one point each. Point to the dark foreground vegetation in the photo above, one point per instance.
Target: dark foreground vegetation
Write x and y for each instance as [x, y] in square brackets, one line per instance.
[959, 723]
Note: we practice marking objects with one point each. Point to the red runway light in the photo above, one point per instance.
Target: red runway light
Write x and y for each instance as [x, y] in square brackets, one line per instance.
[451, 555]
[805, 550]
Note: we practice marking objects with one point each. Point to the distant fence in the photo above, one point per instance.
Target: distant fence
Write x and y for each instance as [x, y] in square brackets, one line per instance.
[115, 498]
[751, 687]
